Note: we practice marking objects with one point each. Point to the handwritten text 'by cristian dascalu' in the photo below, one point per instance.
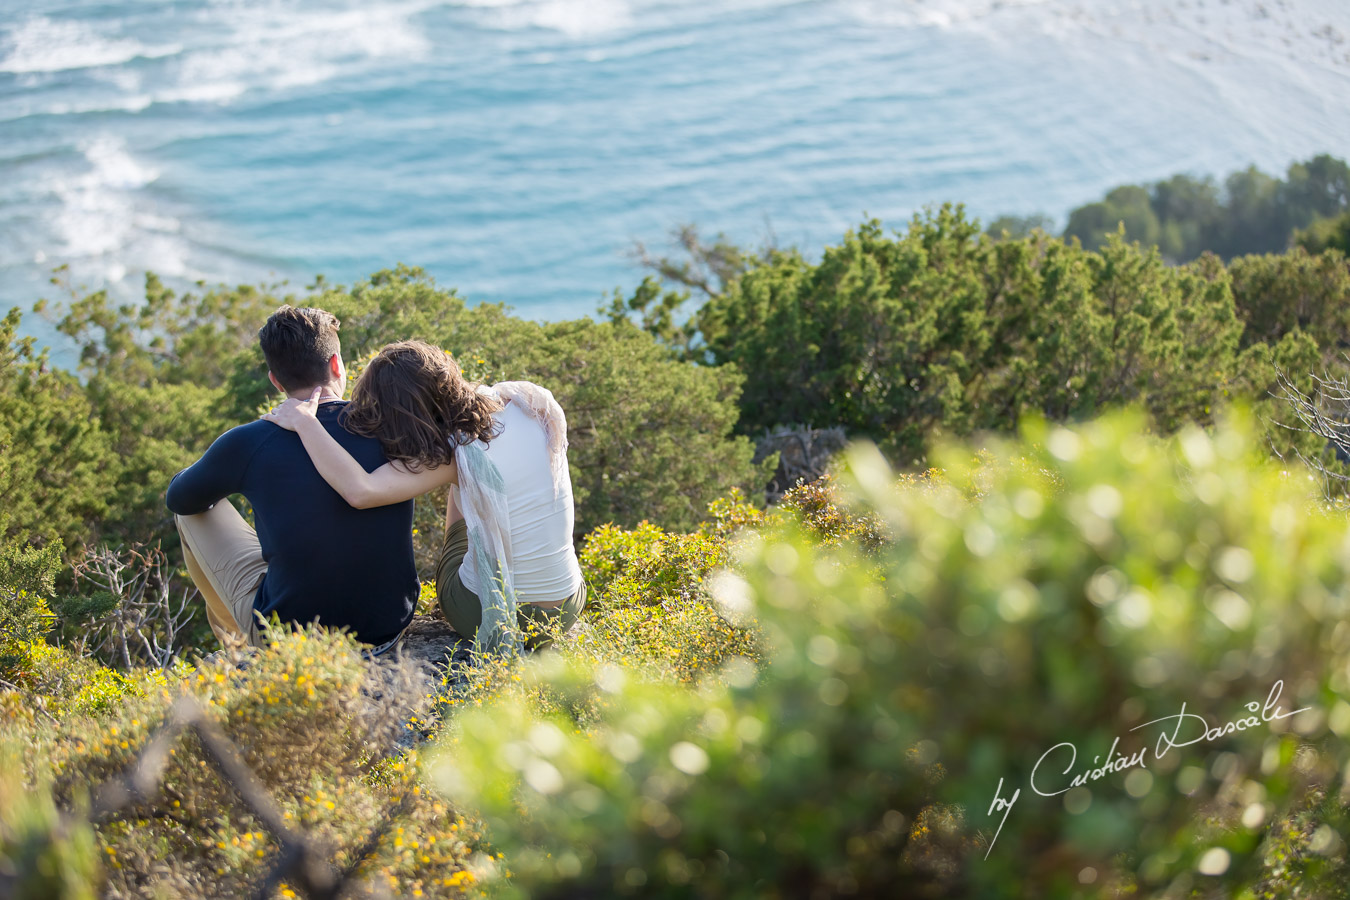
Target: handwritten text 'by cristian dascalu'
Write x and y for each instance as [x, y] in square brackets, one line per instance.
[1047, 776]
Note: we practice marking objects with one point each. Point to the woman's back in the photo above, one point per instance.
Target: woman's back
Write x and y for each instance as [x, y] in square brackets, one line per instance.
[543, 562]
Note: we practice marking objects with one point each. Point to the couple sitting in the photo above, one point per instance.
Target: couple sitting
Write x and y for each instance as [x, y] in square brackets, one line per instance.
[332, 483]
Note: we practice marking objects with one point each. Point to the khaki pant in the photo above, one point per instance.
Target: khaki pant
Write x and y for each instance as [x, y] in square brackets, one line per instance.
[464, 611]
[223, 556]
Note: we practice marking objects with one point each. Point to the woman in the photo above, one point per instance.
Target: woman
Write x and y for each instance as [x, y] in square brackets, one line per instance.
[507, 564]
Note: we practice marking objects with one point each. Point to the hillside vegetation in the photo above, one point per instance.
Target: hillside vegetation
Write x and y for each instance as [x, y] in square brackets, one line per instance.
[1071, 512]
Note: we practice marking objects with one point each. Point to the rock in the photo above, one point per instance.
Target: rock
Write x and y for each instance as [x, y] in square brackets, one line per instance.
[432, 641]
[435, 650]
[804, 454]
[428, 662]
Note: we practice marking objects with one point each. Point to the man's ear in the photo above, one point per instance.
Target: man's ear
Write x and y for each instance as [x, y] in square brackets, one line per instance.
[276, 384]
[335, 367]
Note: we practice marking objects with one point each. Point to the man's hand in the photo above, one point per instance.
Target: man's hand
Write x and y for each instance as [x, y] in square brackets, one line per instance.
[290, 414]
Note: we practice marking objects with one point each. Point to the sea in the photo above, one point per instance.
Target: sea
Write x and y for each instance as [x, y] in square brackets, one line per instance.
[528, 151]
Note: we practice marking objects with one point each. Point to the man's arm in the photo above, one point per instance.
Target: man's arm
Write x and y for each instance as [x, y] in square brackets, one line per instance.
[215, 476]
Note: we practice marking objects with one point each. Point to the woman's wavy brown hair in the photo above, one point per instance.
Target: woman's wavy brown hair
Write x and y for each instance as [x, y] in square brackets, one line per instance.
[414, 400]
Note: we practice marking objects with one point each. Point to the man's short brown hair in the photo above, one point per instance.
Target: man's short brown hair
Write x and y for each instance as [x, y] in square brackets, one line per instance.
[298, 343]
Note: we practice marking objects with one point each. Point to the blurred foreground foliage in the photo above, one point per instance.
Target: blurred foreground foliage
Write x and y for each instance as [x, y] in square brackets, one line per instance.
[316, 726]
[821, 700]
[1064, 590]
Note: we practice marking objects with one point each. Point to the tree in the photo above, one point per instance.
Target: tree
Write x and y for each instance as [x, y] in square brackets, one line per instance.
[1316, 189]
[1019, 226]
[1252, 213]
[1129, 205]
[1326, 234]
[1253, 222]
[56, 464]
[1189, 212]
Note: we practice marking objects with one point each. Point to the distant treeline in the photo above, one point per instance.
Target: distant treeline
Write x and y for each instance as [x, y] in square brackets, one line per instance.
[1249, 212]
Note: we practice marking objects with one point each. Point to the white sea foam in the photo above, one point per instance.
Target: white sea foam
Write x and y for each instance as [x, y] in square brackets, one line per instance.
[133, 103]
[936, 13]
[574, 18]
[104, 220]
[108, 224]
[1299, 31]
[272, 47]
[238, 46]
[113, 167]
[40, 44]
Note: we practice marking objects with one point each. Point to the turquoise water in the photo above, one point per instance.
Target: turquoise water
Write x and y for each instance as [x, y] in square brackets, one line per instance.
[518, 150]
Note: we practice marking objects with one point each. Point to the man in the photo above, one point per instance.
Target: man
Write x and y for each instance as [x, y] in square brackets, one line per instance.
[313, 557]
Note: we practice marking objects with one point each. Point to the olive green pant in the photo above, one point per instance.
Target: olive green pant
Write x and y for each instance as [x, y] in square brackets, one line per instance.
[464, 611]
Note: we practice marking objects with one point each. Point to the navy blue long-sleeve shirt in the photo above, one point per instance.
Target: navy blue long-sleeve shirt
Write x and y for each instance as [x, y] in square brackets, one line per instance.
[326, 561]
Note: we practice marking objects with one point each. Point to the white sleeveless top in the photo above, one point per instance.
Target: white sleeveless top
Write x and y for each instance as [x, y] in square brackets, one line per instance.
[543, 562]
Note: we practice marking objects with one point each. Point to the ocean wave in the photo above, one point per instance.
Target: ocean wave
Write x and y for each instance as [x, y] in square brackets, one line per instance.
[271, 47]
[935, 13]
[113, 167]
[1292, 31]
[234, 47]
[940, 14]
[97, 211]
[574, 18]
[40, 44]
[133, 104]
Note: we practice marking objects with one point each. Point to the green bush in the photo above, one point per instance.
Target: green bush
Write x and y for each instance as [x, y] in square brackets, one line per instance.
[649, 607]
[1064, 590]
[55, 461]
[817, 508]
[27, 582]
[1326, 234]
[940, 331]
[906, 338]
[41, 678]
[1294, 292]
[822, 699]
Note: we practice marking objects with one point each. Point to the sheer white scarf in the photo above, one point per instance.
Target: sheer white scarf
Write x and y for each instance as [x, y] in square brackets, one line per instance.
[482, 498]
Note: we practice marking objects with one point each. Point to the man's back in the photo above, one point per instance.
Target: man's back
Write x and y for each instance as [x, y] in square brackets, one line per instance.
[325, 560]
